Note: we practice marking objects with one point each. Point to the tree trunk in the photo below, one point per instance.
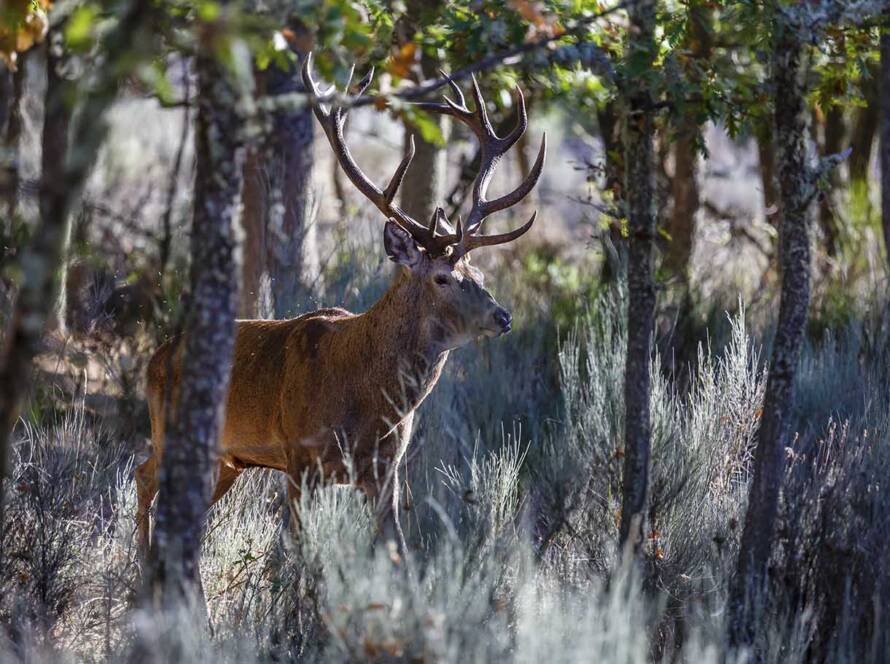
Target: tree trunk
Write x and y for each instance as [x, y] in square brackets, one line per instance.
[7, 162]
[193, 423]
[56, 120]
[684, 185]
[684, 191]
[750, 581]
[885, 140]
[862, 135]
[832, 143]
[12, 136]
[423, 188]
[290, 235]
[254, 195]
[39, 287]
[766, 152]
[615, 246]
[279, 208]
[640, 196]
[62, 180]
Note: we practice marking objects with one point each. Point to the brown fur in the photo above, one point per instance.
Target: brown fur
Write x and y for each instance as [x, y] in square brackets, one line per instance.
[305, 389]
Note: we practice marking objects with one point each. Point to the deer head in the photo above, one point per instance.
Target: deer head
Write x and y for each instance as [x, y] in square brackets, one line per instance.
[435, 256]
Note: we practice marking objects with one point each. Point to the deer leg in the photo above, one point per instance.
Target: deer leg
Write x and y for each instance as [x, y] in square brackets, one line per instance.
[299, 481]
[146, 487]
[224, 481]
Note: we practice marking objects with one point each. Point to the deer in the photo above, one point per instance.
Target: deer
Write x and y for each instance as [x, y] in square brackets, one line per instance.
[301, 389]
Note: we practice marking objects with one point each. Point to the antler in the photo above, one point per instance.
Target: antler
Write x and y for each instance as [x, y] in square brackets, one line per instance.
[332, 121]
[464, 239]
[493, 148]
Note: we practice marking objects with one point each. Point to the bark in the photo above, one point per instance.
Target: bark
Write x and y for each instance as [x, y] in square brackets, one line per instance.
[253, 219]
[166, 242]
[613, 154]
[832, 143]
[766, 152]
[865, 127]
[12, 136]
[62, 181]
[424, 185]
[5, 96]
[279, 214]
[684, 185]
[193, 423]
[57, 118]
[290, 233]
[685, 195]
[39, 286]
[7, 101]
[750, 582]
[885, 140]
[640, 196]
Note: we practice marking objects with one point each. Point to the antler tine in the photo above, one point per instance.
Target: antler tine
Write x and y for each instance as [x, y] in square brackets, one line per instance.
[390, 192]
[312, 86]
[365, 83]
[436, 219]
[521, 123]
[476, 241]
[486, 208]
[458, 109]
[482, 111]
[461, 101]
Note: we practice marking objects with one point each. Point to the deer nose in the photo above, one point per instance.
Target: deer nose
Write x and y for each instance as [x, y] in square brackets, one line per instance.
[503, 318]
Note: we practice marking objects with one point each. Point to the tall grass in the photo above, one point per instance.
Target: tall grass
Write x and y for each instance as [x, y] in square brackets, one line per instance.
[511, 515]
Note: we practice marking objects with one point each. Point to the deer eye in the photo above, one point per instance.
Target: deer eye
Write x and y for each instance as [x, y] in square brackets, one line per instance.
[442, 280]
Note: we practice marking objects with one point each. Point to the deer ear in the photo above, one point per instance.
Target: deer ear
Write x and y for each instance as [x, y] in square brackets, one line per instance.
[400, 246]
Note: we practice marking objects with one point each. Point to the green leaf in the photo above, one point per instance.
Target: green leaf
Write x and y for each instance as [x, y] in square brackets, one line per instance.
[80, 28]
[427, 126]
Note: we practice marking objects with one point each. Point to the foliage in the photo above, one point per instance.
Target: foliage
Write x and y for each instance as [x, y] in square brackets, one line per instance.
[23, 23]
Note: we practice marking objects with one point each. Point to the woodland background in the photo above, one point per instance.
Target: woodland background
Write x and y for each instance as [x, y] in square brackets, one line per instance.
[701, 328]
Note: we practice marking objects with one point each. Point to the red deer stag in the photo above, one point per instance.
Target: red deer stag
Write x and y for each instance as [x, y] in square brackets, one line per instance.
[300, 388]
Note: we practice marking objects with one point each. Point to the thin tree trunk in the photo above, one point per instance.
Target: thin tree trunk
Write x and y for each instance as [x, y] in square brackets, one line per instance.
[290, 232]
[862, 134]
[279, 208]
[57, 118]
[832, 144]
[640, 196]
[39, 287]
[166, 242]
[684, 185]
[254, 218]
[64, 175]
[684, 191]
[6, 96]
[13, 85]
[423, 188]
[885, 140]
[766, 152]
[7, 164]
[254, 196]
[750, 581]
[615, 246]
[193, 424]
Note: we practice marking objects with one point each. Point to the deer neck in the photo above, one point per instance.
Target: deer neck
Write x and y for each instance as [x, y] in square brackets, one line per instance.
[403, 344]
